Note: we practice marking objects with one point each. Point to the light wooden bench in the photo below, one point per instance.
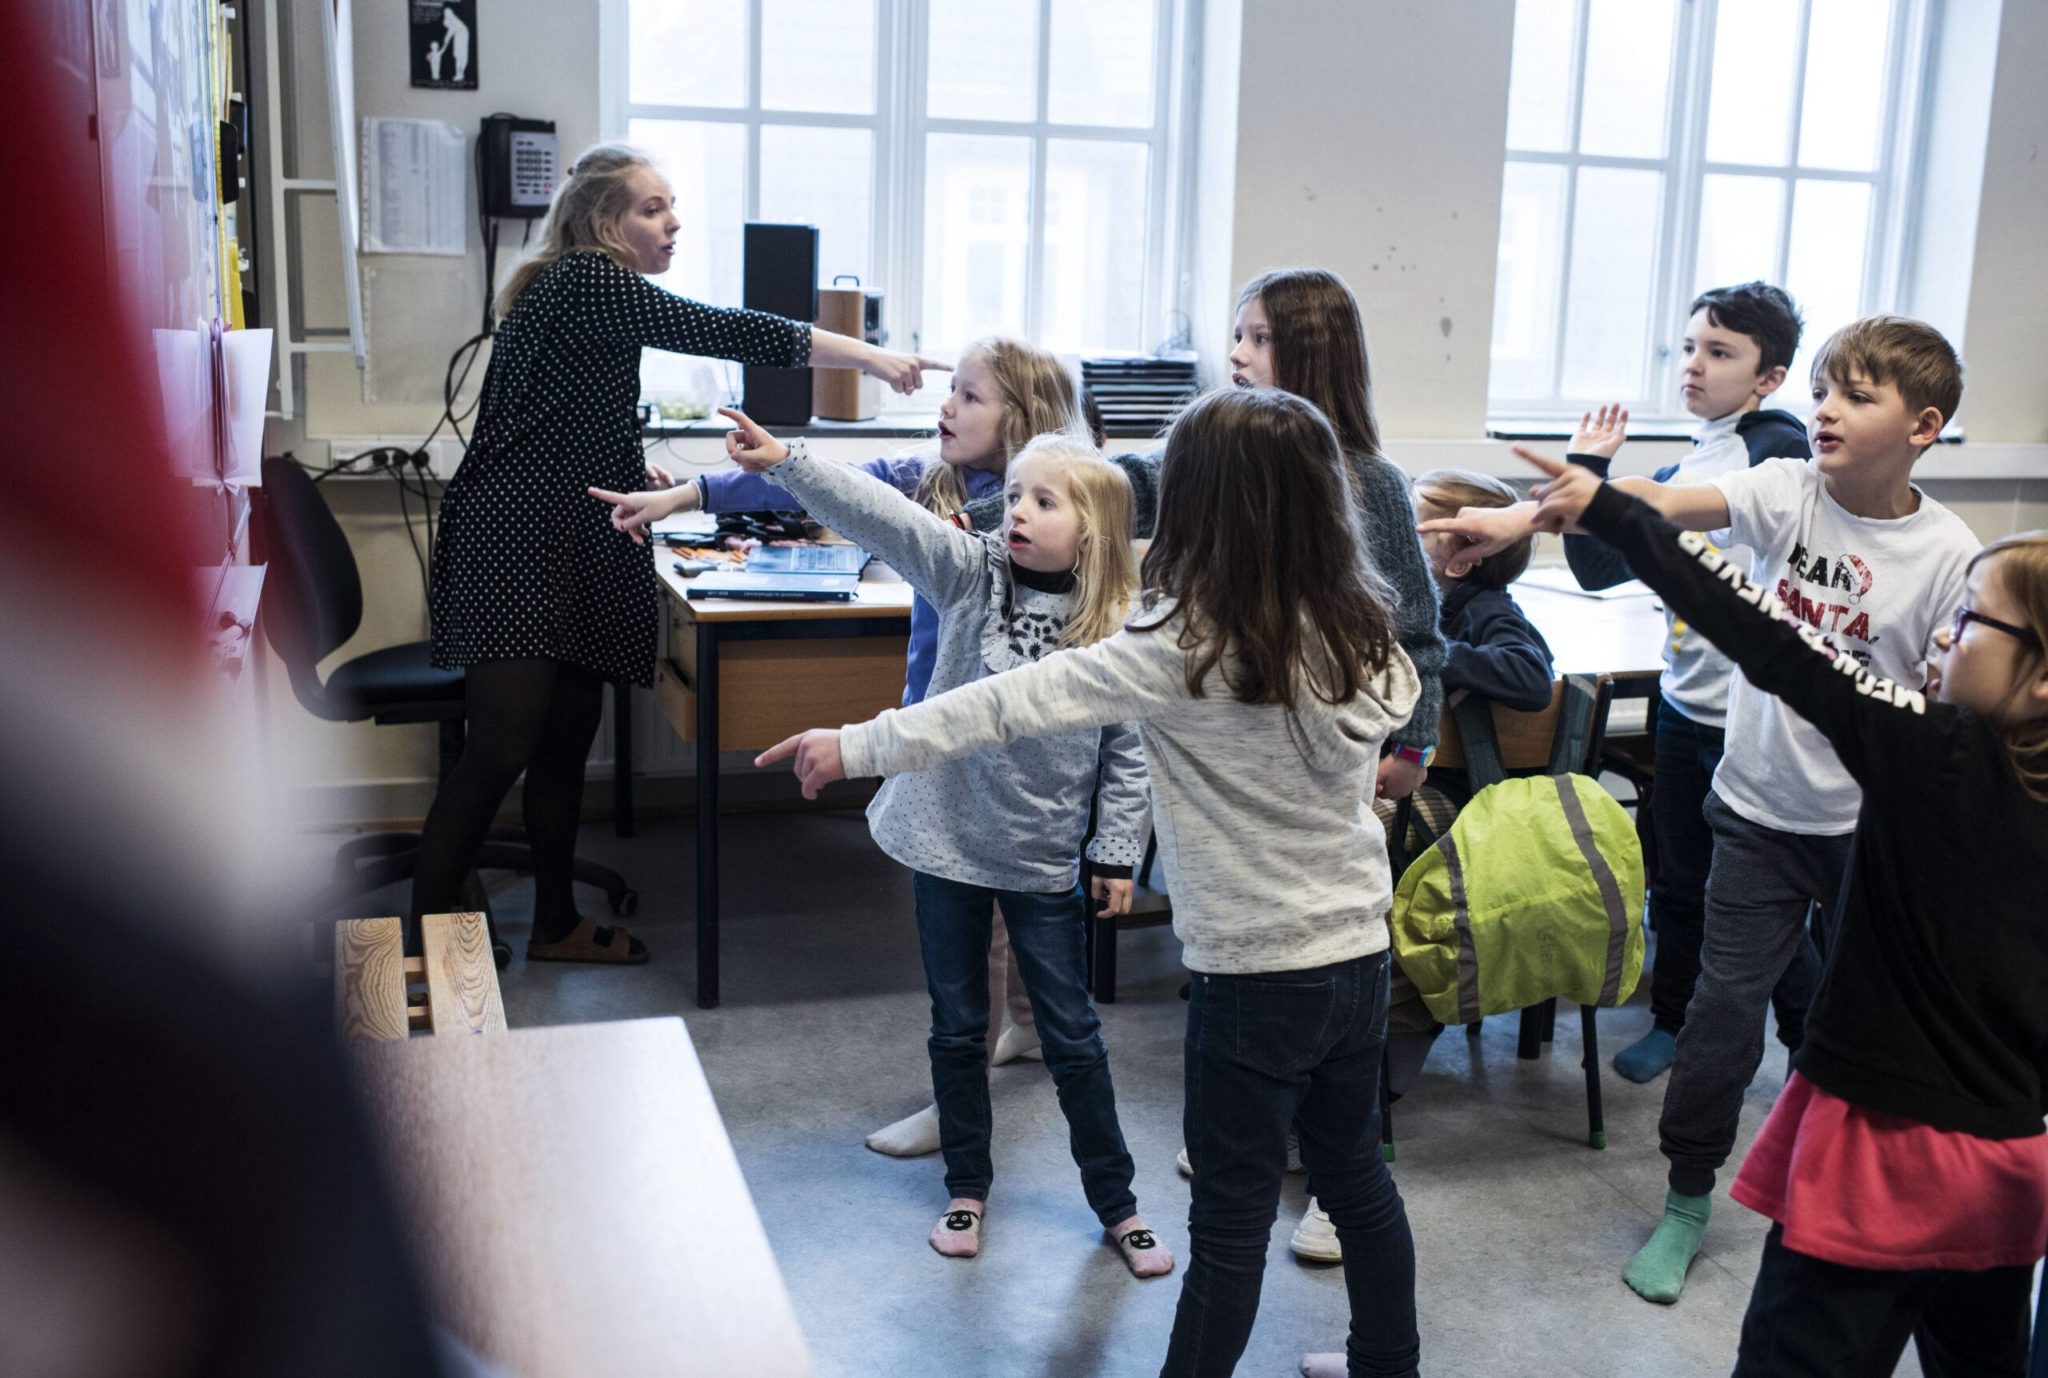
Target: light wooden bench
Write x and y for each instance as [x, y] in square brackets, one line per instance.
[380, 994]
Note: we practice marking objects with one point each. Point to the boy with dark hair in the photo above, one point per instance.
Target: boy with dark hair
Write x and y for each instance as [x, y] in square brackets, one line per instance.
[1872, 566]
[1737, 346]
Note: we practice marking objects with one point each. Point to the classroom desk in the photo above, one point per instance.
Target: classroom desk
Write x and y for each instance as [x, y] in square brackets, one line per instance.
[575, 1205]
[742, 675]
[1622, 638]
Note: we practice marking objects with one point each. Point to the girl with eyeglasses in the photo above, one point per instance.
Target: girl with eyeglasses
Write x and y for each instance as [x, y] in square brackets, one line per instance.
[1905, 1163]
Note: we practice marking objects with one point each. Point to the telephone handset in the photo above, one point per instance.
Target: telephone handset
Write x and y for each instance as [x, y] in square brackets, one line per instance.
[517, 167]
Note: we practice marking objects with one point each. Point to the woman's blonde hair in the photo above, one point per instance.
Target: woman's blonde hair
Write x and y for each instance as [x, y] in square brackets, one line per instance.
[593, 198]
[1038, 399]
[1105, 572]
[2023, 573]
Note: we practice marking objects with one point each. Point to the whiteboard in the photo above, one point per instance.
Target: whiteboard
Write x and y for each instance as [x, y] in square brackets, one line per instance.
[337, 26]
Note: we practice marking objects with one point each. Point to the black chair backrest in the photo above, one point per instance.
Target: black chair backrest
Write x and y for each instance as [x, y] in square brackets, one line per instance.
[312, 593]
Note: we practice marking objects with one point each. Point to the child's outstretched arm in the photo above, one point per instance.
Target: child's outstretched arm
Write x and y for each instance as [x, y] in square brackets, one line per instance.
[1882, 731]
[1123, 812]
[939, 560]
[1694, 507]
[1127, 678]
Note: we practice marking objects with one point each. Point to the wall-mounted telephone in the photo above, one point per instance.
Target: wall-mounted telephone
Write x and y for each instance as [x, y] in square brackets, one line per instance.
[517, 167]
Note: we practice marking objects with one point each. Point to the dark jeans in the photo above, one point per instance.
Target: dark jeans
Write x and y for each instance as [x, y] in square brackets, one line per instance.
[1757, 896]
[1266, 1052]
[1811, 1317]
[1687, 753]
[1048, 934]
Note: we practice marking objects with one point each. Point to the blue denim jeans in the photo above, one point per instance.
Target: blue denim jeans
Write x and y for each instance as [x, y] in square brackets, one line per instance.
[1265, 1052]
[1048, 934]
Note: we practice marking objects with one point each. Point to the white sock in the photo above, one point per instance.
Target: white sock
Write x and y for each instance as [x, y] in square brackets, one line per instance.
[1015, 1043]
[913, 1136]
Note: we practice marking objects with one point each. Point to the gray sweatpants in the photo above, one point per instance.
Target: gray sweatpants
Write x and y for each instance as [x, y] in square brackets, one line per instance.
[1758, 890]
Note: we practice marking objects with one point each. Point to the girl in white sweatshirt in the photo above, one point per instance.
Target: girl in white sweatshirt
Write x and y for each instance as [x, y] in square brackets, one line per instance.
[1262, 672]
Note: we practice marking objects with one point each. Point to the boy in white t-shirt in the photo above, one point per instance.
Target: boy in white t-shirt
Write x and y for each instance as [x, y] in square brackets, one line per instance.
[1737, 346]
[1875, 566]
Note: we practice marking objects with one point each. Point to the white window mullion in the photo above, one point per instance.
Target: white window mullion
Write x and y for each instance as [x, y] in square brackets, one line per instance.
[1160, 183]
[1571, 197]
[1180, 142]
[1034, 244]
[881, 194]
[1792, 161]
[1692, 91]
[905, 303]
[1898, 151]
[752, 209]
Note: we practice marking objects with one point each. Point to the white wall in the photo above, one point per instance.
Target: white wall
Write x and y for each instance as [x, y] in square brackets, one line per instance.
[1369, 142]
[2005, 340]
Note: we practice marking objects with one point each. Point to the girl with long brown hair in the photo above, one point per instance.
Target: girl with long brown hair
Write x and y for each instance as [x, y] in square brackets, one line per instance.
[1263, 673]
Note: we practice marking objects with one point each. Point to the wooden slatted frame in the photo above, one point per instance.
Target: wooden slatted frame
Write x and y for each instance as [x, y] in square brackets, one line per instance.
[381, 994]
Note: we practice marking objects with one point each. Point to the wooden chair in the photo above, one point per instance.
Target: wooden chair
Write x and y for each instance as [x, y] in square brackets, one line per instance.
[382, 994]
[1490, 743]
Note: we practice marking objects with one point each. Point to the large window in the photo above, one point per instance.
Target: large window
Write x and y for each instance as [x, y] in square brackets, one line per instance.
[990, 165]
[1656, 148]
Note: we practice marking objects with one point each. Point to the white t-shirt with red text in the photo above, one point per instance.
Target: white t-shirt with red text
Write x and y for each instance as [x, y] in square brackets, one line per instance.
[1875, 589]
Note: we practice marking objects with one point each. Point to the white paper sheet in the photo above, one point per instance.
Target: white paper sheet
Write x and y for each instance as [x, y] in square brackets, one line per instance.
[248, 382]
[415, 187]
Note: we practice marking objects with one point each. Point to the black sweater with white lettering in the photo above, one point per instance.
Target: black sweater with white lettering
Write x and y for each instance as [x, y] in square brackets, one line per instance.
[1934, 1004]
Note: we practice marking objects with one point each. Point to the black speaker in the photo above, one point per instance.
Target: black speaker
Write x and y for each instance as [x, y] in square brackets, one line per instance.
[780, 274]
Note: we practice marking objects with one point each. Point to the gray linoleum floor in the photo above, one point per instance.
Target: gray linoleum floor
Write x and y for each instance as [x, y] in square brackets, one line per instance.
[1521, 1231]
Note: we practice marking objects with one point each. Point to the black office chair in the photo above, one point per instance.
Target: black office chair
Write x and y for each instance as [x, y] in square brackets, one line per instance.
[312, 603]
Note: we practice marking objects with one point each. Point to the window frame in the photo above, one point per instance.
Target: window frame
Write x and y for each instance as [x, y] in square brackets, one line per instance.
[899, 125]
[1685, 168]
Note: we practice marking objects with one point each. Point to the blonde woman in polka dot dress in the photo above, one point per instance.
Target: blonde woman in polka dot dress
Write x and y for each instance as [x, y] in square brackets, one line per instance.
[535, 596]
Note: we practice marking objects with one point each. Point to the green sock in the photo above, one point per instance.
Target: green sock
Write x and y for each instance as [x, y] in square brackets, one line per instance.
[1657, 1272]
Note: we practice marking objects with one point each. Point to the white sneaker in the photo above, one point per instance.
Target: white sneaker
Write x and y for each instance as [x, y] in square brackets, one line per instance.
[1014, 1043]
[1187, 1169]
[913, 1136]
[1315, 1238]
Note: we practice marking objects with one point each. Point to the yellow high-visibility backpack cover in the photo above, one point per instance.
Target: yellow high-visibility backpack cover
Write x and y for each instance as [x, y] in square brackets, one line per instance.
[1535, 892]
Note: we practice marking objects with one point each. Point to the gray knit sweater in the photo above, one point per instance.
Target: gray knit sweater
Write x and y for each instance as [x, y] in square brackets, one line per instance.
[1265, 820]
[1008, 819]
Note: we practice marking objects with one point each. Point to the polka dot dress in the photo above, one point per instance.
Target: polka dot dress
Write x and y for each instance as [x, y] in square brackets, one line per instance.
[527, 563]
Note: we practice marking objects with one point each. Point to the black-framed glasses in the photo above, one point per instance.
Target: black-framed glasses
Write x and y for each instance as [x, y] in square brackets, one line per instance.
[1965, 616]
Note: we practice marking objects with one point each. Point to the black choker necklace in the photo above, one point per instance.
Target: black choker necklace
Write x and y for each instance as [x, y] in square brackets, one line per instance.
[1061, 581]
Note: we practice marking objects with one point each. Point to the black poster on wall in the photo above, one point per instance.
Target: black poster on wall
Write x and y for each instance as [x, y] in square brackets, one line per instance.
[444, 44]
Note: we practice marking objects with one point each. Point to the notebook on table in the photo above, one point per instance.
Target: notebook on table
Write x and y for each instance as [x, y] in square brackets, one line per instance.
[775, 587]
[806, 559]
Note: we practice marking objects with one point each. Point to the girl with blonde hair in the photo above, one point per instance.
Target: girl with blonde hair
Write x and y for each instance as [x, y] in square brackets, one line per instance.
[1006, 826]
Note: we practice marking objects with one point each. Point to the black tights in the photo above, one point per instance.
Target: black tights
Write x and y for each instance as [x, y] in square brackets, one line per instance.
[535, 715]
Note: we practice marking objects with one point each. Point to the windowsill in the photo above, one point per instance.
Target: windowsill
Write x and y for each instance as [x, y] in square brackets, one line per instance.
[1557, 431]
[905, 425]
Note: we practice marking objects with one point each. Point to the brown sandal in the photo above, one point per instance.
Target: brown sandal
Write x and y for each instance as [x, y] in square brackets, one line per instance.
[587, 942]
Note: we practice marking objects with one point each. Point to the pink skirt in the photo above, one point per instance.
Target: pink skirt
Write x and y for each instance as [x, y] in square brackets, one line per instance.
[1871, 1190]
